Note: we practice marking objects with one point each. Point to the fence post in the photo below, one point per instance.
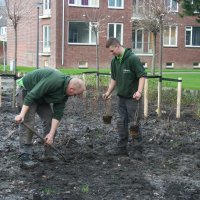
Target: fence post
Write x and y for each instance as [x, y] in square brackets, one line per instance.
[83, 77]
[14, 93]
[178, 110]
[0, 93]
[159, 96]
[146, 98]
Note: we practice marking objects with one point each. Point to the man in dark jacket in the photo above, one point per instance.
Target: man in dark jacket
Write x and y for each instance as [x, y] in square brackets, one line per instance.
[128, 76]
[45, 92]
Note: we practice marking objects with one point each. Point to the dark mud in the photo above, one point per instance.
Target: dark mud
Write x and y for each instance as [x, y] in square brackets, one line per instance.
[169, 167]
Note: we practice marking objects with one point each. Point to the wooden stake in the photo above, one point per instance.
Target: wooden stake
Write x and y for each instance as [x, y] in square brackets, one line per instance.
[14, 93]
[159, 98]
[178, 110]
[0, 93]
[146, 98]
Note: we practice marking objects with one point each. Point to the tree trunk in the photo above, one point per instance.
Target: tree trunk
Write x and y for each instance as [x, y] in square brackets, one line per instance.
[154, 54]
[161, 45]
[97, 61]
[15, 51]
[14, 68]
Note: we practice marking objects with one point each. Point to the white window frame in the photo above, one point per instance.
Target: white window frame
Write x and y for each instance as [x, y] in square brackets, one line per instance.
[139, 50]
[91, 3]
[46, 7]
[46, 40]
[115, 31]
[90, 31]
[169, 37]
[3, 30]
[140, 7]
[115, 4]
[190, 29]
[170, 8]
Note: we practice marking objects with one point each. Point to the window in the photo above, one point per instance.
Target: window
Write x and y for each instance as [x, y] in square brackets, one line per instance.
[116, 30]
[137, 38]
[172, 5]
[81, 33]
[46, 7]
[169, 65]
[115, 3]
[141, 7]
[170, 36]
[192, 36]
[196, 65]
[46, 38]
[3, 30]
[138, 7]
[84, 3]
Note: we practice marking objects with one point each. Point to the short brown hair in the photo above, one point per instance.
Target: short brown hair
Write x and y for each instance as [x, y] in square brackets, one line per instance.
[112, 42]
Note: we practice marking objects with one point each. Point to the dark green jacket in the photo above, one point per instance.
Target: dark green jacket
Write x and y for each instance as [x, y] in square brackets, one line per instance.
[126, 72]
[49, 86]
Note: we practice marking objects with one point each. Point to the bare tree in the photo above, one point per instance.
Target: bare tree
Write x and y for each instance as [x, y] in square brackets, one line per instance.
[98, 23]
[152, 15]
[17, 12]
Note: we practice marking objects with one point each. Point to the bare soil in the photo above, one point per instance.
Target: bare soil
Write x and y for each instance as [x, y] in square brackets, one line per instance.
[168, 169]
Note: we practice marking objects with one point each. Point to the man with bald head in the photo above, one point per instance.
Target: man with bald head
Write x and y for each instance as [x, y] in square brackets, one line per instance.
[45, 92]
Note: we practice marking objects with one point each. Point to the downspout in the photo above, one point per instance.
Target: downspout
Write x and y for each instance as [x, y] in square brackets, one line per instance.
[63, 32]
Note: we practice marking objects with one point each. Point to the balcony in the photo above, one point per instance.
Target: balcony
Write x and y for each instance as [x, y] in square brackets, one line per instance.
[45, 13]
[142, 48]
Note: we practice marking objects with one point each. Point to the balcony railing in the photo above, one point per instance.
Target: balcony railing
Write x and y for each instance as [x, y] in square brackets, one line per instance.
[45, 13]
[142, 48]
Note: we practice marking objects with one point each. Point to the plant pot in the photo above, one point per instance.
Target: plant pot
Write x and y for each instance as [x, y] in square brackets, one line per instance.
[107, 119]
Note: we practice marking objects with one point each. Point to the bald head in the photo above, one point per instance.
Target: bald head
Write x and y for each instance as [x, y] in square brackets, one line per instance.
[75, 87]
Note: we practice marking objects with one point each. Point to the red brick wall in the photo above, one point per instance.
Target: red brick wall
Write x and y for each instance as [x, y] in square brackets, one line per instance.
[27, 30]
[75, 53]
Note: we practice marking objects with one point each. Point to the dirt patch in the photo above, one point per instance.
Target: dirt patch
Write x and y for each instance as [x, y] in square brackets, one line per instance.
[168, 169]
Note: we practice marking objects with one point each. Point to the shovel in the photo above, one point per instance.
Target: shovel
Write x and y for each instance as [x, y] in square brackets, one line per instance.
[39, 136]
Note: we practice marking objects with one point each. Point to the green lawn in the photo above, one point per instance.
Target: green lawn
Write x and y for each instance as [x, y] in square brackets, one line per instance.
[190, 80]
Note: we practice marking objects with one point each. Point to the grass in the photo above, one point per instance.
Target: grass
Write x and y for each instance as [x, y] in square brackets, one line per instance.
[190, 81]
[85, 188]
[71, 71]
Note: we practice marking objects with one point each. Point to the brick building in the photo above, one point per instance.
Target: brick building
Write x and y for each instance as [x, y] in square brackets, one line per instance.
[68, 31]
[181, 36]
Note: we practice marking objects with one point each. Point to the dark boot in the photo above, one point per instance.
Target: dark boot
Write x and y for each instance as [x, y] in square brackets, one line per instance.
[119, 151]
[26, 161]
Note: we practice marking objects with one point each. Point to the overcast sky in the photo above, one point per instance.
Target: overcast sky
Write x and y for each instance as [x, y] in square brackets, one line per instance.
[1, 2]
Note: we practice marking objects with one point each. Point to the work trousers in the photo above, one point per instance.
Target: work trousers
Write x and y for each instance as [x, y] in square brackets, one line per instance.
[129, 110]
[45, 113]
